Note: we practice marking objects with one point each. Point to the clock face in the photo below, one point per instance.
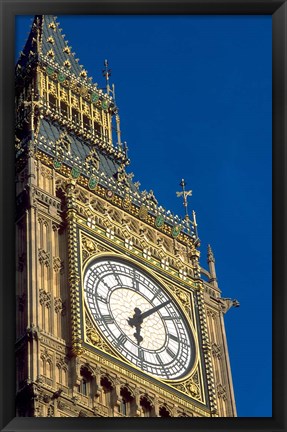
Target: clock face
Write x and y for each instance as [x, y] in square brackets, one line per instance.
[139, 318]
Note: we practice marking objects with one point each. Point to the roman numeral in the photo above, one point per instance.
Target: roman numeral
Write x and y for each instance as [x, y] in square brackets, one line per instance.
[102, 299]
[175, 338]
[159, 359]
[118, 279]
[140, 363]
[156, 293]
[94, 276]
[170, 352]
[166, 318]
[182, 340]
[105, 283]
[107, 319]
[141, 354]
[122, 340]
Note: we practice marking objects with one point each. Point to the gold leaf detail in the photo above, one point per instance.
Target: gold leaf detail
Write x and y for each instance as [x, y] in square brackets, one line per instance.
[51, 40]
[66, 50]
[67, 64]
[95, 338]
[51, 53]
[52, 25]
[191, 387]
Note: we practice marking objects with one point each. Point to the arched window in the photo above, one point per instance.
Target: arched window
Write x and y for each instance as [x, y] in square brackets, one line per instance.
[127, 405]
[86, 387]
[58, 374]
[164, 412]
[106, 394]
[147, 406]
[49, 369]
[123, 407]
[83, 386]
[64, 376]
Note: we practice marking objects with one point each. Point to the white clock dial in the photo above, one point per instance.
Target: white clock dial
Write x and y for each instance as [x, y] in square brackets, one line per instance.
[139, 318]
[152, 330]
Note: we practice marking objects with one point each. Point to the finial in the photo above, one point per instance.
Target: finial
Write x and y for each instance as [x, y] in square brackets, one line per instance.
[195, 224]
[113, 91]
[126, 150]
[210, 256]
[184, 194]
[107, 73]
[211, 265]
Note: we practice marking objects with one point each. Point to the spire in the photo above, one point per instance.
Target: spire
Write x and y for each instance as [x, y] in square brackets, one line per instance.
[31, 49]
[210, 256]
[107, 73]
[47, 42]
[211, 265]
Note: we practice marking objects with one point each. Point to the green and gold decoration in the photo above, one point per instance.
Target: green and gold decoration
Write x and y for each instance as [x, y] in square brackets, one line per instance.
[61, 77]
[94, 97]
[49, 70]
[176, 230]
[92, 183]
[159, 221]
[75, 172]
[57, 163]
[105, 104]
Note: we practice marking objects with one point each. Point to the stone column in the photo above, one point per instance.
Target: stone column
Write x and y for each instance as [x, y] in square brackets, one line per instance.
[73, 272]
[156, 406]
[137, 402]
[211, 265]
[117, 386]
[206, 348]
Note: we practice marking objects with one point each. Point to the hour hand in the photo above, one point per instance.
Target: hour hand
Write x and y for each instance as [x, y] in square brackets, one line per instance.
[136, 319]
[136, 322]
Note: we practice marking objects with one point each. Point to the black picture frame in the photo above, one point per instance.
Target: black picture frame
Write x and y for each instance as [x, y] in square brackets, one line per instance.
[11, 8]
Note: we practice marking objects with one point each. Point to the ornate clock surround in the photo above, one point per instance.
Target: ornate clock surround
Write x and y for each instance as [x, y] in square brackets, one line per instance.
[115, 258]
[95, 243]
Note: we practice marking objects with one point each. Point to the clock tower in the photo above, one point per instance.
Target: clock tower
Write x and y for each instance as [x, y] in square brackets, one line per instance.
[116, 315]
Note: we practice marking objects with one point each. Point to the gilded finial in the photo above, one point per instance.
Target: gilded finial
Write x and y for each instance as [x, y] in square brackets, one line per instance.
[107, 73]
[184, 194]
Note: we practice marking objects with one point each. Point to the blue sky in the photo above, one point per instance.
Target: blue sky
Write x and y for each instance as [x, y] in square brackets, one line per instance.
[194, 94]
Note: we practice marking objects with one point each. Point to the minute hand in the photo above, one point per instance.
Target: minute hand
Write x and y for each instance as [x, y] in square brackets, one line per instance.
[154, 309]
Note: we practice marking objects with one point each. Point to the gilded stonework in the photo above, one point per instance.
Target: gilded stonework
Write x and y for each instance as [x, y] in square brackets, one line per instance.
[192, 387]
[95, 338]
[77, 204]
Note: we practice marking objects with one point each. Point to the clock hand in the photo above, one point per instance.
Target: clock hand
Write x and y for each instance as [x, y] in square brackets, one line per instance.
[152, 310]
[136, 322]
[138, 335]
[138, 318]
